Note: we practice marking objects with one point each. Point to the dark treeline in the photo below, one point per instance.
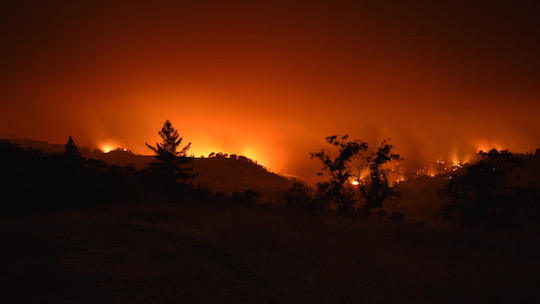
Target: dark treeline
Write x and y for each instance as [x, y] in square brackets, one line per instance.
[487, 195]
[36, 182]
[491, 195]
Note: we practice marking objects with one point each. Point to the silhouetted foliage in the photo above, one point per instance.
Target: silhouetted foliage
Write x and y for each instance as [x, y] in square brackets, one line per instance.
[337, 188]
[35, 181]
[221, 155]
[488, 194]
[170, 167]
[378, 189]
[71, 150]
[373, 191]
[302, 200]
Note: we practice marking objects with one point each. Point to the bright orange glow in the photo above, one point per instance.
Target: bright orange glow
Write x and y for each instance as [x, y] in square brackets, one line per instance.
[401, 180]
[355, 182]
[486, 145]
[270, 80]
[106, 148]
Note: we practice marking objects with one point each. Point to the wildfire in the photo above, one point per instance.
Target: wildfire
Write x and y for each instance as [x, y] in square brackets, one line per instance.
[109, 146]
[485, 146]
[457, 166]
[106, 148]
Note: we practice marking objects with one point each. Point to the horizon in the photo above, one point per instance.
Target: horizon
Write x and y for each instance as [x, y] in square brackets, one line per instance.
[415, 167]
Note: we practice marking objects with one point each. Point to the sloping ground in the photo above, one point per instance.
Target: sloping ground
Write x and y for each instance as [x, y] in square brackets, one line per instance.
[217, 174]
[37, 145]
[120, 263]
[229, 175]
[419, 200]
[122, 158]
[163, 254]
[32, 271]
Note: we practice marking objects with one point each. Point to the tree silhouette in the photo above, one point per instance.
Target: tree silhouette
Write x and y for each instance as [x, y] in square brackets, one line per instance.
[487, 195]
[378, 189]
[171, 160]
[337, 188]
[71, 151]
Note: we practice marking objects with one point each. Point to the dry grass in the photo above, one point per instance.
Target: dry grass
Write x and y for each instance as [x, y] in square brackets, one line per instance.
[158, 253]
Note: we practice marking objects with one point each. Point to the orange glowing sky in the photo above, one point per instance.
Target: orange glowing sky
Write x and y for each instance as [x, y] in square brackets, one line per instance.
[271, 79]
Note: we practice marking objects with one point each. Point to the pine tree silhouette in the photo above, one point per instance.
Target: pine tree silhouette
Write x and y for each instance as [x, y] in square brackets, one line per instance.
[171, 160]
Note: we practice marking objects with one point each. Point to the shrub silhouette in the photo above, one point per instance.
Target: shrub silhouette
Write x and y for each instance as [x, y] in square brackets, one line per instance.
[378, 189]
[372, 191]
[337, 188]
[488, 194]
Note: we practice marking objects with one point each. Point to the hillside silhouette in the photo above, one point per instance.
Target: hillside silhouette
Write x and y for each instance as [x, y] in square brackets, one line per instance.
[219, 173]
[86, 226]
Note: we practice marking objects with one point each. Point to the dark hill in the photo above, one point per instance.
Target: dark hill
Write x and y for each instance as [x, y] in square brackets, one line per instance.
[217, 173]
[229, 175]
[419, 200]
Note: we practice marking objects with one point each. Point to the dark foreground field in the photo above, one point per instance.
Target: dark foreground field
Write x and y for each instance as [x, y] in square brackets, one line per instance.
[163, 254]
